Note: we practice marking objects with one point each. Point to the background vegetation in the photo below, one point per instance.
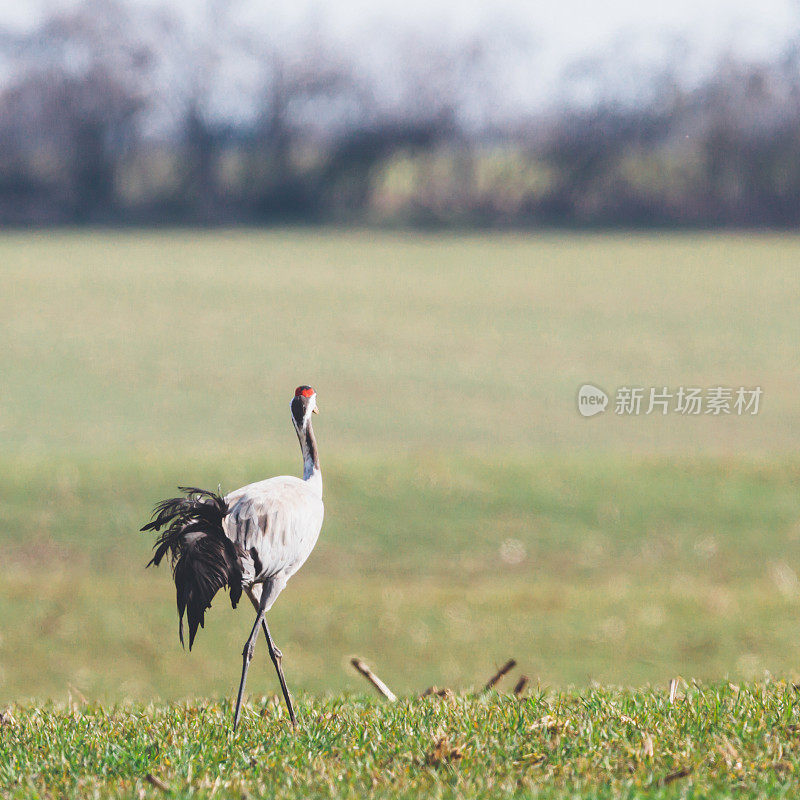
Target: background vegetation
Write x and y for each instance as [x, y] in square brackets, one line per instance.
[120, 113]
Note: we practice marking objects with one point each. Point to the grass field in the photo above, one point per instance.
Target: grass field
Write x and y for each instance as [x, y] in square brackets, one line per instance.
[619, 572]
[182, 343]
[471, 513]
[598, 743]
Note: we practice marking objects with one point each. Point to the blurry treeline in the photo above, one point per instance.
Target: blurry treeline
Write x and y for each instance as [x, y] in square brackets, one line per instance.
[112, 114]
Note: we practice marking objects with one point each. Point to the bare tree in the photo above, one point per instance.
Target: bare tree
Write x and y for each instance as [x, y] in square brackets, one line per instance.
[73, 101]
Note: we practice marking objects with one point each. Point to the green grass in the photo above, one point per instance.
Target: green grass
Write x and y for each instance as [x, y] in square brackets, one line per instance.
[471, 514]
[433, 570]
[191, 343]
[715, 741]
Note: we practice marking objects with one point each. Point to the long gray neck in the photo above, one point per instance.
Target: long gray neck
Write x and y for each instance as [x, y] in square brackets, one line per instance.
[308, 444]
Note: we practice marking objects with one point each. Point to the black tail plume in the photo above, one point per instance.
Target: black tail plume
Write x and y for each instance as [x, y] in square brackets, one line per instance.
[204, 560]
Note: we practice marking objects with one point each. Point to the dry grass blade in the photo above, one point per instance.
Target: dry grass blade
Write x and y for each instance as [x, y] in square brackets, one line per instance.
[529, 759]
[504, 670]
[443, 752]
[381, 687]
[729, 753]
[673, 690]
[157, 782]
[548, 722]
[674, 776]
[73, 690]
[435, 691]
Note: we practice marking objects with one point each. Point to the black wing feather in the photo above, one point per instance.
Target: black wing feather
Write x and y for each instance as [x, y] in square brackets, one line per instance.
[202, 563]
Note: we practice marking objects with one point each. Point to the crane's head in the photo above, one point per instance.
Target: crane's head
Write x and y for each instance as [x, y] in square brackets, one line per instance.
[304, 404]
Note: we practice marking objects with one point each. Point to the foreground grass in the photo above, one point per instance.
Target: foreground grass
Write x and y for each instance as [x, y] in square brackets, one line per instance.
[713, 742]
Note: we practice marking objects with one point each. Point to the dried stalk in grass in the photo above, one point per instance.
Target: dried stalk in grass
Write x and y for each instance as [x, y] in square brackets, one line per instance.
[382, 688]
[504, 670]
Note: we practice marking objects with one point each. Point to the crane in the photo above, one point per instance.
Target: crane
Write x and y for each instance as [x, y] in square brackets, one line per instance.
[252, 540]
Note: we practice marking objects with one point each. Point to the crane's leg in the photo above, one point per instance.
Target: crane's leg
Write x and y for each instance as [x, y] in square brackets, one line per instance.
[277, 659]
[257, 597]
[247, 657]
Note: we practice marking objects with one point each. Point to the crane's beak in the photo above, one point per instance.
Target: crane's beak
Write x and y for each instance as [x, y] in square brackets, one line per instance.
[315, 410]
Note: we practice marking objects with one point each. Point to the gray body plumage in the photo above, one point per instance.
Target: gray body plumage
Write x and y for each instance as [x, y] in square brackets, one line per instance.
[276, 524]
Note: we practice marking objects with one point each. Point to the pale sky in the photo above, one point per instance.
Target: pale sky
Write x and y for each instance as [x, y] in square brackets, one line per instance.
[573, 26]
[562, 31]
[568, 27]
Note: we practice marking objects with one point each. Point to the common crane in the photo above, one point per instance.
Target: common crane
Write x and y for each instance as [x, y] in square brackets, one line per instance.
[252, 540]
